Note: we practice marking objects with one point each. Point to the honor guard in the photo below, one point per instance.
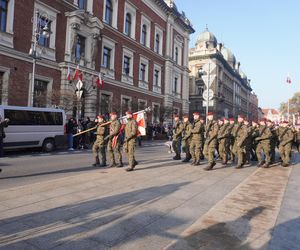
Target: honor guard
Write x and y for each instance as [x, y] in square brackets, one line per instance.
[223, 138]
[177, 136]
[186, 138]
[99, 144]
[197, 133]
[131, 130]
[113, 146]
[211, 137]
[286, 138]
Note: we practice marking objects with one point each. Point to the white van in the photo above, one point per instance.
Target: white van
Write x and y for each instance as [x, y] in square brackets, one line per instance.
[31, 127]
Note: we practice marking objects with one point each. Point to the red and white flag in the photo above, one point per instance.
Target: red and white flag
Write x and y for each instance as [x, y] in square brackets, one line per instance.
[69, 74]
[100, 82]
[288, 79]
[140, 119]
[76, 74]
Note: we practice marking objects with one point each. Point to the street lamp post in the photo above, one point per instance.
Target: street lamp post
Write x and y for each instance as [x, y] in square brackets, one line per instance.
[37, 33]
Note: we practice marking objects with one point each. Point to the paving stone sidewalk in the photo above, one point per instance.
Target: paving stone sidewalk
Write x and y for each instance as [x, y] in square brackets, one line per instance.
[154, 207]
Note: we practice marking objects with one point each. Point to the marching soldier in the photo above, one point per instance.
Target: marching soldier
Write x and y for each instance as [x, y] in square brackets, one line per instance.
[231, 138]
[196, 139]
[99, 144]
[263, 139]
[186, 139]
[241, 140]
[285, 137]
[255, 130]
[113, 146]
[248, 141]
[177, 135]
[223, 137]
[211, 135]
[273, 141]
[234, 133]
[202, 121]
[131, 130]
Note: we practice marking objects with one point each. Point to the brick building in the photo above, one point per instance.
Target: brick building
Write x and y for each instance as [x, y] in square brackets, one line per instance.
[140, 47]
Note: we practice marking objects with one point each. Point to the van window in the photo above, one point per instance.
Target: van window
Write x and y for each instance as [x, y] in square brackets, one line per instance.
[33, 118]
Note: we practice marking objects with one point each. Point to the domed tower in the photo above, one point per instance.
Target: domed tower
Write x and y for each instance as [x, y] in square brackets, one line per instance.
[228, 56]
[206, 40]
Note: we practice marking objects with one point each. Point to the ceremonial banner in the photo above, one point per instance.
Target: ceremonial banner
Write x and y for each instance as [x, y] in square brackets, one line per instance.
[140, 119]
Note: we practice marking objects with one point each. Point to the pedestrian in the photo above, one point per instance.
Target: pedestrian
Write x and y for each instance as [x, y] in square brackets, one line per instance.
[99, 145]
[3, 124]
[286, 138]
[71, 130]
[263, 146]
[131, 130]
[197, 137]
[113, 145]
[186, 138]
[177, 136]
[211, 137]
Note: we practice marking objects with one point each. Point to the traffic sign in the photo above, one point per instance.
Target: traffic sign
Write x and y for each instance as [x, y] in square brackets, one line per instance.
[210, 94]
[209, 79]
[210, 103]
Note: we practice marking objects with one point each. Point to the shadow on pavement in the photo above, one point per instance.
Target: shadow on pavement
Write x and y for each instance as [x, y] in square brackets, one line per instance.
[63, 171]
[109, 220]
[225, 235]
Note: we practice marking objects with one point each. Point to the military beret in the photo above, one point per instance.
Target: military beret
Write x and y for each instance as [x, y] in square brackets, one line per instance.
[112, 113]
[210, 113]
[128, 112]
[226, 119]
[176, 116]
[100, 116]
[185, 116]
[196, 113]
[231, 119]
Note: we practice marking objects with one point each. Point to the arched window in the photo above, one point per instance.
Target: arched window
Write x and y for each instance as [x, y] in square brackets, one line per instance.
[157, 43]
[176, 55]
[144, 34]
[108, 12]
[128, 25]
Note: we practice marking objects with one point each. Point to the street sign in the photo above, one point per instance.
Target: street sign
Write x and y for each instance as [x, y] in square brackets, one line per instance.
[209, 79]
[210, 67]
[210, 94]
[79, 84]
[211, 103]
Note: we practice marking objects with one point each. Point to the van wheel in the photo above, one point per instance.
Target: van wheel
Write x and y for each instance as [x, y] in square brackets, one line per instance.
[48, 145]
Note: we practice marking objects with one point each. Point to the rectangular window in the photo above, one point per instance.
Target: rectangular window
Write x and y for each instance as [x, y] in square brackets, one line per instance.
[143, 72]
[106, 57]
[33, 118]
[42, 40]
[40, 93]
[156, 78]
[125, 104]
[108, 12]
[82, 4]
[3, 14]
[175, 89]
[80, 47]
[126, 65]
[105, 104]
[142, 105]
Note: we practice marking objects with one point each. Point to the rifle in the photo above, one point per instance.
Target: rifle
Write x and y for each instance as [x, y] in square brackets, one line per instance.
[107, 123]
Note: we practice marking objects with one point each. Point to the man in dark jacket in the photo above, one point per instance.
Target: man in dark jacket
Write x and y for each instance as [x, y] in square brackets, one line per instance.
[3, 124]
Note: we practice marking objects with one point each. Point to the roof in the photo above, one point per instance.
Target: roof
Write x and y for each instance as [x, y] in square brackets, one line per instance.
[273, 111]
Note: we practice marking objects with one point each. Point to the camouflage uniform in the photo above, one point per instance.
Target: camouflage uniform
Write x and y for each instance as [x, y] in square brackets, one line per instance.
[211, 132]
[234, 132]
[114, 153]
[99, 146]
[131, 130]
[273, 144]
[196, 141]
[241, 144]
[263, 139]
[285, 137]
[224, 142]
[177, 135]
[186, 140]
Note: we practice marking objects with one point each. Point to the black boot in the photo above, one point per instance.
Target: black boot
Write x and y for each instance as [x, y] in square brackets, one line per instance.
[267, 165]
[210, 166]
[112, 165]
[177, 157]
[97, 162]
[260, 164]
[120, 165]
[239, 166]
